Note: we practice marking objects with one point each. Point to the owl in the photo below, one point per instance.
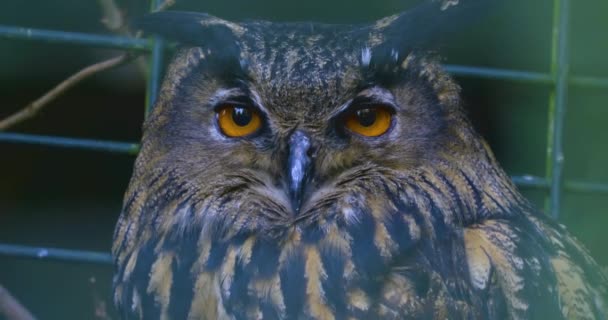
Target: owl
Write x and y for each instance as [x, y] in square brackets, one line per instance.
[316, 171]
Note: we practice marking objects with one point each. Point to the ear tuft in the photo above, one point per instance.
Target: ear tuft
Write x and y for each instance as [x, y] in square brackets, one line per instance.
[189, 28]
[218, 37]
[426, 25]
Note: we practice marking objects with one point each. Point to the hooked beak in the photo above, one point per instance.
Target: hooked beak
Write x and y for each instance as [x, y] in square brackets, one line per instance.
[299, 165]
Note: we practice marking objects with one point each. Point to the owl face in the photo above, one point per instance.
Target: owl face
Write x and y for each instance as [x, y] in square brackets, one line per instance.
[287, 163]
[297, 111]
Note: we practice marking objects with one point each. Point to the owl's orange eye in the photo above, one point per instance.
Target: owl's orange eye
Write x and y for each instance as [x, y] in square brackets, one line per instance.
[369, 122]
[238, 121]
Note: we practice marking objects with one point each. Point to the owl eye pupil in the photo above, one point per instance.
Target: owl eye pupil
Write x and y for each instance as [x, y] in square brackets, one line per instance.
[238, 120]
[241, 116]
[366, 117]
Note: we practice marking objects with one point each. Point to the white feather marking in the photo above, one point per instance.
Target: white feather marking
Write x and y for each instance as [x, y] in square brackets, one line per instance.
[446, 4]
[366, 56]
[395, 55]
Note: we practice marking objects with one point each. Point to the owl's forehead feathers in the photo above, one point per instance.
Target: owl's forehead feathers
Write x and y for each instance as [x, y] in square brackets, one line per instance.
[311, 64]
[418, 28]
[301, 64]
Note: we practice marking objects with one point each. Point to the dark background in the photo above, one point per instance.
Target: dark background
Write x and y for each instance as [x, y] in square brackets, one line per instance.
[71, 199]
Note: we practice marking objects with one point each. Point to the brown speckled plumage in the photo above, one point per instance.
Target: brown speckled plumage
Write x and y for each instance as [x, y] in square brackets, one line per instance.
[420, 222]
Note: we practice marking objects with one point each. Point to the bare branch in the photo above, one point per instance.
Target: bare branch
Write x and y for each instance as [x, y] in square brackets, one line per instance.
[11, 309]
[34, 107]
[113, 19]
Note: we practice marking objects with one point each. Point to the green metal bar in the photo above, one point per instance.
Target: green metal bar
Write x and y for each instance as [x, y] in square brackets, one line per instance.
[528, 181]
[531, 181]
[70, 143]
[589, 82]
[500, 74]
[133, 148]
[120, 42]
[557, 105]
[523, 76]
[63, 255]
[91, 40]
[156, 66]
[586, 187]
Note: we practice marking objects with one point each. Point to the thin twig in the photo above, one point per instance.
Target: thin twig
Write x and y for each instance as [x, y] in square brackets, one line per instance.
[34, 107]
[113, 17]
[165, 5]
[100, 311]
[114, 20]
[11, 309]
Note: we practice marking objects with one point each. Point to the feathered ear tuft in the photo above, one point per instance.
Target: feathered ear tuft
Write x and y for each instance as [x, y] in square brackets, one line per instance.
[220, 38]
[424, 26]
[189, 28]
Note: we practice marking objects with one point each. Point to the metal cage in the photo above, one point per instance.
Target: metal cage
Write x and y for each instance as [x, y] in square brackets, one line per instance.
[559, 79]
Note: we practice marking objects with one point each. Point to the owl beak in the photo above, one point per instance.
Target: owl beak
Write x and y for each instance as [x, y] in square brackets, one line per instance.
[298, 166]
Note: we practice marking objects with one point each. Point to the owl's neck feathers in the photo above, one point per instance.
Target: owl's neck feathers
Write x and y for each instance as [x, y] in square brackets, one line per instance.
[463, 166]
[473, 183]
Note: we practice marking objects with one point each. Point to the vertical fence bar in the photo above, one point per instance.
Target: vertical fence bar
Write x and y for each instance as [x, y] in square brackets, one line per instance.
[156, 65]
[557, 105]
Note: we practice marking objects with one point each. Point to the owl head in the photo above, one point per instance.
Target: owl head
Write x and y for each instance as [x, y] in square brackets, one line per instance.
[281, 138]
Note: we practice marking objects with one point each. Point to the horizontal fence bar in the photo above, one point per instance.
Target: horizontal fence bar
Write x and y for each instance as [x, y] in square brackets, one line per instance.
[585, 187]
[589, 82]
[133, 148]
[523, 76]
[500, 74]
[71, 143]
[529, 181]
[56, 254]
[127, 43]
[87, 39]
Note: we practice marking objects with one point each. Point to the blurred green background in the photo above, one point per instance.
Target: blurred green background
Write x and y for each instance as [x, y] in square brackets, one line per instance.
[71, 199]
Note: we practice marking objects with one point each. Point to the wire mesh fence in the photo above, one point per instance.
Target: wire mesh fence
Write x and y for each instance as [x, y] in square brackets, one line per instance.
[559, 79]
